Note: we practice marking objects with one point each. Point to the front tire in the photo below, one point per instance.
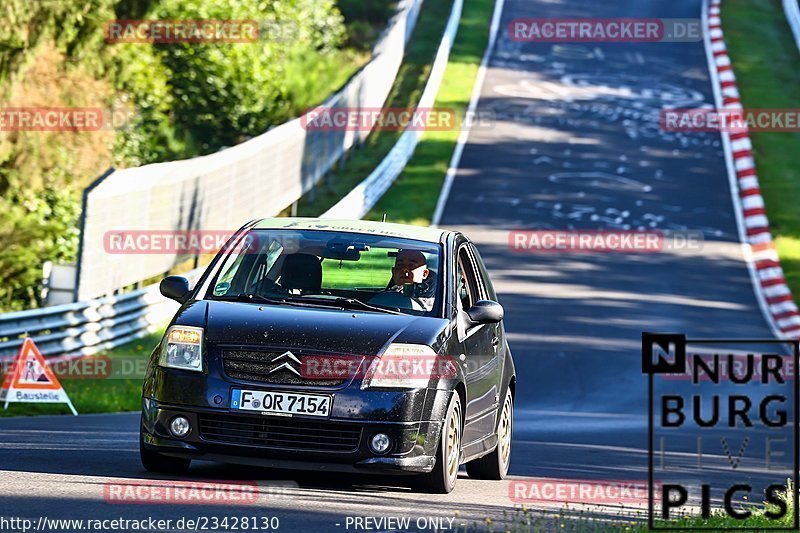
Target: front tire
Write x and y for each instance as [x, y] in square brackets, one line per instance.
[494, 466]
[161, 464]
[442, 479]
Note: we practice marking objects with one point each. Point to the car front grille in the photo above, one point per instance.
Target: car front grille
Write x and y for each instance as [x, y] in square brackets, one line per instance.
[269, 367]
[294, 434]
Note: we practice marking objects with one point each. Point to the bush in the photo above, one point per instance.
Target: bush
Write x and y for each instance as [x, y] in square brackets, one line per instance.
[183, 100]
[223, 93]
[34, 229]
[365, 20]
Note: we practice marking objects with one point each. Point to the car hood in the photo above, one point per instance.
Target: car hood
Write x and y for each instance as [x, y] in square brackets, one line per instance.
[352, 332]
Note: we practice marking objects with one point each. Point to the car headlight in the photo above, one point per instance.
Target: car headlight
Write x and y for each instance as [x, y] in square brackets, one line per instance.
[404, 366]
[183, 348]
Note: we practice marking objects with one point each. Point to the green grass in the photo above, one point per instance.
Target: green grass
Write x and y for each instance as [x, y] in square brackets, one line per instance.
[406, 91]
[720, 521]
[767, 66]
[310, 81]
[100, 395]
[412, 198]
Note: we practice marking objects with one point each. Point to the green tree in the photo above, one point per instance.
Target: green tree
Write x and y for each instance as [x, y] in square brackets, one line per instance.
[226, 92]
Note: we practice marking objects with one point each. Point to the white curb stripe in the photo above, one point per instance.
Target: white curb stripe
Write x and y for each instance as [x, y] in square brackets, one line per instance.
[749, 202]
[776, 290]
[744, 163]
[756, 221]
[782, 307]
[788, 322]
[752, 202]
[741, 144]
[761, 238]
[770, 273]
[769, 254]
[723, 61]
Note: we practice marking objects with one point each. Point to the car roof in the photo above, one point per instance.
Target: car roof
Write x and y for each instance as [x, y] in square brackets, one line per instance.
[406, 231]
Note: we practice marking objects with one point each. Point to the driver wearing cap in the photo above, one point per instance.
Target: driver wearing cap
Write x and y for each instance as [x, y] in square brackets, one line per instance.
[411, 276]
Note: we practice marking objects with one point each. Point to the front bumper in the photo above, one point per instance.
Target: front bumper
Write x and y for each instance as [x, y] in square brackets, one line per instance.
[339, 444]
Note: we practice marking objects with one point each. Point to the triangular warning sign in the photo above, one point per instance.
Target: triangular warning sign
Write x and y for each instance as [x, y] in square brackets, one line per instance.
[31, 371]
[30, 379]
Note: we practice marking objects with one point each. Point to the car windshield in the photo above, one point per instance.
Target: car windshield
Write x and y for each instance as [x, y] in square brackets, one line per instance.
[327, 268]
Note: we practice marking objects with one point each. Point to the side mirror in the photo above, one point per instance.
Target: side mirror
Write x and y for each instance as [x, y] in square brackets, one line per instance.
[485, 312]
[175, 288]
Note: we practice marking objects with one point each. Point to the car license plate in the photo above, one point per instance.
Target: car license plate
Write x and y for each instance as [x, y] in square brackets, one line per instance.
[281, 403]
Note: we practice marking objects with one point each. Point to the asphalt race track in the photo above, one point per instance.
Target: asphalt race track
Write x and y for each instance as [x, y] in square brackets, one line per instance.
[574, 145]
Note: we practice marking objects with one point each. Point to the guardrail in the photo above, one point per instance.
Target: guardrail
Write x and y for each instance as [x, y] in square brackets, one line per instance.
[792, 10]
[85, 328]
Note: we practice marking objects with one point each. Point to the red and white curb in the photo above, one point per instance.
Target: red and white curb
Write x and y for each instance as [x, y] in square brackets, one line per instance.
[769, 281]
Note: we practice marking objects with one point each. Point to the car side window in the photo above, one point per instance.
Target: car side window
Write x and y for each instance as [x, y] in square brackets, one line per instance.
[466, 285]
[467, 291]
[481, 291]
[461, 288]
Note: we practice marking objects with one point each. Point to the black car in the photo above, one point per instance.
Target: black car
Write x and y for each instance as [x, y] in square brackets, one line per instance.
[337, 346]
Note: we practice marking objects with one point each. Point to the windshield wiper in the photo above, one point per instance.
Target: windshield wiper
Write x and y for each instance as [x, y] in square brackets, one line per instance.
[355, 303]
[346, 303]
[309, 301]
[254, 298]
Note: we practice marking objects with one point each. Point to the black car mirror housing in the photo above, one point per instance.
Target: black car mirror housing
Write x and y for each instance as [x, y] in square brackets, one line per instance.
[175, 288]
[485, 312]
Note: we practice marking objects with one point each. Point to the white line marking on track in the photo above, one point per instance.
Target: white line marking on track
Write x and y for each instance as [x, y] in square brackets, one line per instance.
[473, 104]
